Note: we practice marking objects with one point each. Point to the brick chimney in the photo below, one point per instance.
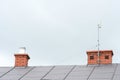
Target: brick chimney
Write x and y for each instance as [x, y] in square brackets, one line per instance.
[21, 58]
[105, 57]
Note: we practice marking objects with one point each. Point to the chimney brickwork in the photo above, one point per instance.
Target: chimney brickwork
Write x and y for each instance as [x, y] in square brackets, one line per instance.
[21, 60]
[104, 58]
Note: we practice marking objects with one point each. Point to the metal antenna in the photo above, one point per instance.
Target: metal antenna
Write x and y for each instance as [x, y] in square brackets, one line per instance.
[99, 26]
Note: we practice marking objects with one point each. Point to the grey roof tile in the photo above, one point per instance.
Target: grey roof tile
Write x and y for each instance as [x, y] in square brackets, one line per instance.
[80, 72]
[37, 73]
[66, 72]
[16, 73]
[103, 72]
[59, 72]
[4, 70]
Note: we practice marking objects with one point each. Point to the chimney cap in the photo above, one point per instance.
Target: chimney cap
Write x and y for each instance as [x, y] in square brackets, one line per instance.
[95, 51]
[22, 50]
[22, 55]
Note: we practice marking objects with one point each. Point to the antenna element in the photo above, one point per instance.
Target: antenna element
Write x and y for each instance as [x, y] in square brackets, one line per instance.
[99, 26]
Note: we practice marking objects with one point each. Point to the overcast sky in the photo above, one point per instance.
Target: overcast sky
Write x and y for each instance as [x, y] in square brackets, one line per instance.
[58, 32]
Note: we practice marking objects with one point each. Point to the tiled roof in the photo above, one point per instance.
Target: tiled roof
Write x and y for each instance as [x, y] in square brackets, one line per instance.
[65, 72]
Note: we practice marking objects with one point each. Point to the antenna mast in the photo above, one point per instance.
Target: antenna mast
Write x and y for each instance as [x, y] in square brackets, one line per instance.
[99, 26]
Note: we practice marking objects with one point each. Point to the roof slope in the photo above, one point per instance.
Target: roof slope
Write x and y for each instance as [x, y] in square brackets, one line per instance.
[66, 72]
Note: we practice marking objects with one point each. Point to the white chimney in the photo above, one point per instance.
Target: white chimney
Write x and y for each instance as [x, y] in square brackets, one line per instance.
[22, 50]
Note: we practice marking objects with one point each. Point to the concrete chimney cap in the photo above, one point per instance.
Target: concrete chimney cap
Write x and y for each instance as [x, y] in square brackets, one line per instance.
[95, 51]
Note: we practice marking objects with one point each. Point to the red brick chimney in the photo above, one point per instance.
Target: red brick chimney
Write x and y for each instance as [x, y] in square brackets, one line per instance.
[105, 57]
[21, 58]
